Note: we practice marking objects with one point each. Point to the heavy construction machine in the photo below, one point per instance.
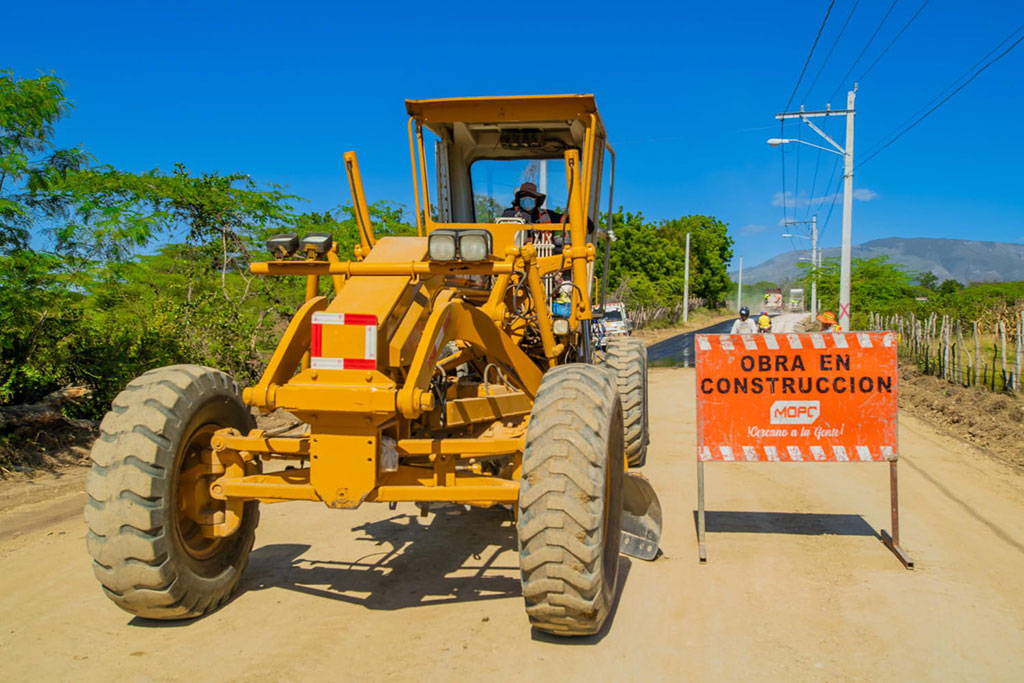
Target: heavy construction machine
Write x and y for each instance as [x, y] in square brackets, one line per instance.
[437, 372]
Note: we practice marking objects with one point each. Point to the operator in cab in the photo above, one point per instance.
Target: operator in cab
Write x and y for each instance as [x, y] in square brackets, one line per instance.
[527, 204]
[745, 324]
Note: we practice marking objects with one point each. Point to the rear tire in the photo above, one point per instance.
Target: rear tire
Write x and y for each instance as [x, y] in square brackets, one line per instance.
[628, 358]
[570, 501]
[147, 553]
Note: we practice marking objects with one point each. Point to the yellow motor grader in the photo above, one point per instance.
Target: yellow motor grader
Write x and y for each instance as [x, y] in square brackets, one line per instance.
[454, 367]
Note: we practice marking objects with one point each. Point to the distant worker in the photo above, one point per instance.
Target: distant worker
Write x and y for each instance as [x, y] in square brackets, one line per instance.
[745, 325]
[764, 322]
[527, 204]
[828, 322]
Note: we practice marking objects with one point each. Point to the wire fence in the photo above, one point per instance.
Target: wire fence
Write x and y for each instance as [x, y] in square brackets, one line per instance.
[961, 352]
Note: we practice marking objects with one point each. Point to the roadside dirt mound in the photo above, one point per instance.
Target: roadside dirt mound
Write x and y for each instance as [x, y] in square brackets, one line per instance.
[48, 449]
[991, 421]
[26, 453]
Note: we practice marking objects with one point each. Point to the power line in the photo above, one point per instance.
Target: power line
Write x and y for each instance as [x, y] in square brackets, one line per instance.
[951, 85]
[831, 50]
[782, 123]
[814, 179]
[857, 61]
[810, 54]
[944, 99]
[893, 41]
[782, 155]
[835, 195]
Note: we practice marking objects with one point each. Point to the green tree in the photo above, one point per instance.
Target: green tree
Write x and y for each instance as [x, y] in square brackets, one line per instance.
[487, 209]
[710, 253]
[950, 287]
[29, 110]
[928, 280]
[875, 285]
[657, 251]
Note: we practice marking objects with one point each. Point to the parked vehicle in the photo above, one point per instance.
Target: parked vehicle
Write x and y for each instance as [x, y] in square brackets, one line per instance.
[613, 324]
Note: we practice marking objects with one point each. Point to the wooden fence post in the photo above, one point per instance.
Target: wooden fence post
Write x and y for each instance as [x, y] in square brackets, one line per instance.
[977, 353]
[1020, 351]
[1002, 343]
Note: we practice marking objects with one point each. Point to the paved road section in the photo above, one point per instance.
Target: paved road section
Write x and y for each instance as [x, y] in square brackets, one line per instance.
[797, 586]
[678, 350]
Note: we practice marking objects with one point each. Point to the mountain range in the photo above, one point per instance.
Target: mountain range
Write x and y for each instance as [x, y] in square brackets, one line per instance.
[963, 260]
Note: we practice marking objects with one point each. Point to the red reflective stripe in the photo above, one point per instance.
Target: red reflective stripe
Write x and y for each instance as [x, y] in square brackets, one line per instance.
[316, 339]
[360, 364]
[360, 319]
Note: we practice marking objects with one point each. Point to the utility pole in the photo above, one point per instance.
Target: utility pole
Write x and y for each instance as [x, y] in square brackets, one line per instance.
[847, 154]
[814, 265]
[686, 283]
[544, 176]
[739, 288]
[844, 258]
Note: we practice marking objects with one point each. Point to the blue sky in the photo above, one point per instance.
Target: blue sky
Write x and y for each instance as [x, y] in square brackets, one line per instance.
[688, 92]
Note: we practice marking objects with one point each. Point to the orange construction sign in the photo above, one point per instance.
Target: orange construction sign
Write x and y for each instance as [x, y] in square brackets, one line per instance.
[817, 397]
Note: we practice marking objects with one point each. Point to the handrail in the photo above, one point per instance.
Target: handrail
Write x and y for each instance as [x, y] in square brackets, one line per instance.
[608, 229]
[415, 180]
[355, 183]
[427, 220]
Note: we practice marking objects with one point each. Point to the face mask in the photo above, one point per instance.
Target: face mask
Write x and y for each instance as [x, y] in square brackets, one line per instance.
[527, 203]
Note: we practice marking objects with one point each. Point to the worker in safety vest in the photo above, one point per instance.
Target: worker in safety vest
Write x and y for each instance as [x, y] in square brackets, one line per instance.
[829, 323]
[745, 324]
[764, 322]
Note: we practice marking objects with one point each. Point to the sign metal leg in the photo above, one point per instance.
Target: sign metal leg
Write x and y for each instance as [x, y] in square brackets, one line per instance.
[893, 542]
[701, 547]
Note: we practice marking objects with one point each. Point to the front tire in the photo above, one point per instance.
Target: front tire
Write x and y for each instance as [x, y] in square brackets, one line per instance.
[570, 501]
[148, 550]
[627, 357]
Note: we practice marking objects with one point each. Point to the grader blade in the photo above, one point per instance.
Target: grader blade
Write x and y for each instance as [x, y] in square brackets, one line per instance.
[641, 518]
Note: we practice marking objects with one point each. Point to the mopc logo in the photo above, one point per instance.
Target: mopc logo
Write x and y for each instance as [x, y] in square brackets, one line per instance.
[795, 412]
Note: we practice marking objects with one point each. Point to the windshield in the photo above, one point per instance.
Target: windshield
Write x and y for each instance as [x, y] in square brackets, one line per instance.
[613, 316]
[495, 182]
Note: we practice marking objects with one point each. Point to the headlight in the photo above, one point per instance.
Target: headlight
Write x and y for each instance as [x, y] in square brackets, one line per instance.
[441, 245]
[474, 245]
[319, 242]
[560, 326]
[283, 246]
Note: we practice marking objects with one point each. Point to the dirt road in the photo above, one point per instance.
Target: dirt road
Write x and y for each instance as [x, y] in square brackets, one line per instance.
[797, 587]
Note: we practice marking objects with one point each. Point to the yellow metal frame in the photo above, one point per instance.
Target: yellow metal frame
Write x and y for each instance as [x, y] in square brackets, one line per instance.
[401, 431]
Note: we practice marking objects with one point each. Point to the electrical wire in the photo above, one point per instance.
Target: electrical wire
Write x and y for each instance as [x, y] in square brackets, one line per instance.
[893, 41]
[945, 99]
[782, 122]
[782, 156]
[862, 52]
[832, 206]
[831, 50]
[810, 54]
[814, 178]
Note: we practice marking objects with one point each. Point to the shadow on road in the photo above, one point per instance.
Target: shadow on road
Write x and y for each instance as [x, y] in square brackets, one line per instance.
[451, 558]
[802, 523]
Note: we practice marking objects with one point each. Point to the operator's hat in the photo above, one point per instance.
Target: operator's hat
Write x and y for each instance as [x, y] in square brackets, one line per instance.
[828, 317]
[530, 189]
